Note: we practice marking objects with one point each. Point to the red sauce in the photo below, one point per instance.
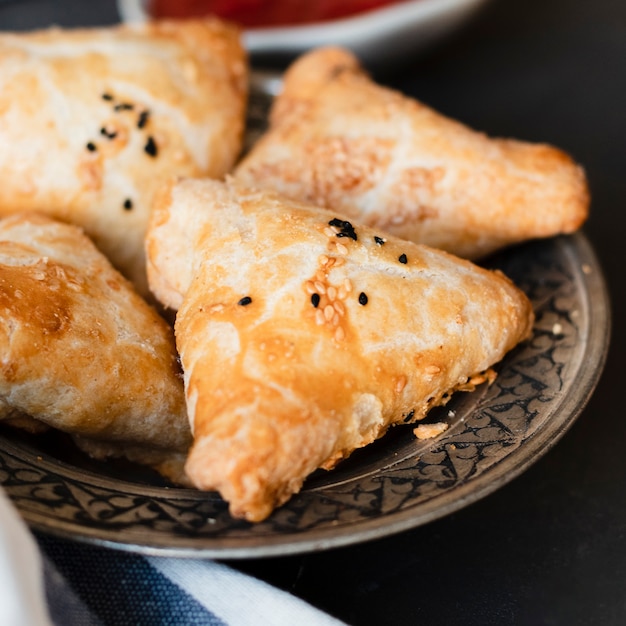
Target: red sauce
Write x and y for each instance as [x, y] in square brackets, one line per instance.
[263, 13]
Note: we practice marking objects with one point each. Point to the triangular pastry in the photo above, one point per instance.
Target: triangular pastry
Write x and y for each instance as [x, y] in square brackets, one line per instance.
[80, 351]
[339, 140]
[303, 336]
[94, 118]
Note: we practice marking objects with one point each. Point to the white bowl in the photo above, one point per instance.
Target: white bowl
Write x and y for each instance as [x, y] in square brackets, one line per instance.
[375, 36]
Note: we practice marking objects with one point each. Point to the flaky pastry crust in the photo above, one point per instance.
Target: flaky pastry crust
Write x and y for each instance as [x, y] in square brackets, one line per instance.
[303, 336]
[339, 140]
[92, 119]
[82, 352]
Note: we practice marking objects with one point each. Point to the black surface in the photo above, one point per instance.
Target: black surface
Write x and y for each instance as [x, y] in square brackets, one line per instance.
[549, 548]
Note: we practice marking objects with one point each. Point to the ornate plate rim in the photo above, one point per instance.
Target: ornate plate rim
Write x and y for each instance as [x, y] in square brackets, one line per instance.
[250, 545]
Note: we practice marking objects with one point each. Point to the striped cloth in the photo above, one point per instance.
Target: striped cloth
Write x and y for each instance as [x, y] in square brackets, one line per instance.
[50, 582]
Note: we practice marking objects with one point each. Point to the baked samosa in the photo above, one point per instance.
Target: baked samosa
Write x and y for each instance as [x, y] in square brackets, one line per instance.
[303, 336]
[82, 352]
[339, 140]
[92, 119]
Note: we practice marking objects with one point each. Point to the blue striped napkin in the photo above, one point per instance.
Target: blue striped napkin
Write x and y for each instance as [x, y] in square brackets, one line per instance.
[51, 582]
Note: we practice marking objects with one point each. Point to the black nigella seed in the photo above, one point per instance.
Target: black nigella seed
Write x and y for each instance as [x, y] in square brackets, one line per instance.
[379, 240]
[402, 258]
[150, 147]
[107, 96]
[363, 299]
[128, 204]
[345, 228]
[91, 146]
[409, 416]
[109, 134]
[124, 106]
[315, 299]
[245, 301]
[143, 119]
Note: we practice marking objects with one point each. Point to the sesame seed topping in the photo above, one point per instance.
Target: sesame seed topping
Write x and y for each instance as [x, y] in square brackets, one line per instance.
[400, 384]
[315, 299]
[91, 146]
[245, 301]
[320, 286]
[107, 96]
[329, 312]
[332, 292]
[379, 240]
[151, 147]
[128, 204]
[363, 299]
[402, 258]
[341, 249]
[319, 317]
[339, 334]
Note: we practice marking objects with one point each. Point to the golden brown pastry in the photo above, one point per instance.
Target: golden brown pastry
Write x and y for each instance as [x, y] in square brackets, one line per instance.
[339, 140]
[92, 119]
[82, 352]
[303, 336]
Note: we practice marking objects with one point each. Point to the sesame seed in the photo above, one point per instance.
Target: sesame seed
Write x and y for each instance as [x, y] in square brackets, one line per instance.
[319, 317]
[128, 204]
[341, 249]
[91, 146]
[309, 286]
[315, 299]
[339, 334]
[339, 307]
[400, 384]
[107, 96]
[329, 312]
[402, 258]
[379, 240]
[320, 287]
[363, 299]
[347, 285]
[151, 148]
[331, 292]
[245, 301]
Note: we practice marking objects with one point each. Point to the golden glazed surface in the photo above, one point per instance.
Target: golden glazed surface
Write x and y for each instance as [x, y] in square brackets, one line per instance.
[92, 119]
[303, 337]
[80, 350]
[339, 140]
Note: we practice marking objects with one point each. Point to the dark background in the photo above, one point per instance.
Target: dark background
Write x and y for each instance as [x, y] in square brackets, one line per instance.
[550, 547]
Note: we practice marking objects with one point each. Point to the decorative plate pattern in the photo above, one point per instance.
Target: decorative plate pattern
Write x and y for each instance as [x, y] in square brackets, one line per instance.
[397, 483]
